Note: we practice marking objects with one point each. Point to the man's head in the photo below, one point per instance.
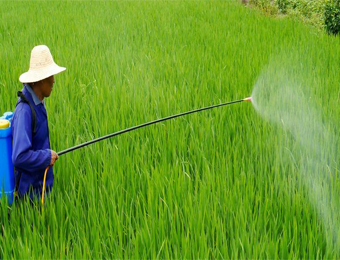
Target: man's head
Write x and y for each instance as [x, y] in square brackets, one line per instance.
[42, 70]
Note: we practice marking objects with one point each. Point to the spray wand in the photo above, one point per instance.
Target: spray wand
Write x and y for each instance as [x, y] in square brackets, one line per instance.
[134, 128]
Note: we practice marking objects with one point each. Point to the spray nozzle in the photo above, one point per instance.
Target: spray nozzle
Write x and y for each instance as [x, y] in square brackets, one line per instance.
[247, 99]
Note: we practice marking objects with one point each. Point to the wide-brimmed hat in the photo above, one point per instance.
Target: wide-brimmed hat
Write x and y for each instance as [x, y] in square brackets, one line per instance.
[42, 65]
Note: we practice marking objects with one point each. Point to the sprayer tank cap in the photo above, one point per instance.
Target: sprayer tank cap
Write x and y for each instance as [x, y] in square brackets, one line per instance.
[4, 123]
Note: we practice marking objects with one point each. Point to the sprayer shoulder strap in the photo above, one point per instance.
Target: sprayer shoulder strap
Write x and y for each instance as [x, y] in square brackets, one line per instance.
[34, 116]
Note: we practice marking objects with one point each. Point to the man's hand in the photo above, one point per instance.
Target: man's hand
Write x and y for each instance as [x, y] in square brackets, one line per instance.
[54, 157]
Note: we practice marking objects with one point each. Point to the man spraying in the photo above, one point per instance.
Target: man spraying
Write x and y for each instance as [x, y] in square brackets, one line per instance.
[31, 144]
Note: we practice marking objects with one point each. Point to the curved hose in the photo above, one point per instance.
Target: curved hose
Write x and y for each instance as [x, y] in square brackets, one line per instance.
[44, 184]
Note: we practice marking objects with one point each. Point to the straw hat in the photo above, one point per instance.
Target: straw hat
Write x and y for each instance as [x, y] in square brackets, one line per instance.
[42, 65]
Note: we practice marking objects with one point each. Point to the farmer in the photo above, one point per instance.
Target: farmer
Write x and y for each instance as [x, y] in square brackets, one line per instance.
[31, 144]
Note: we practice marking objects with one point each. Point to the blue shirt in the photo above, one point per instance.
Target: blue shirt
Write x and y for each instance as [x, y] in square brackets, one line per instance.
[31, 152]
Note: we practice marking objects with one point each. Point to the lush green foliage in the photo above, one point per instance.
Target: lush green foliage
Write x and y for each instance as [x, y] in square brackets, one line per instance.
[220, 184]
[310, 11]
[332, 16]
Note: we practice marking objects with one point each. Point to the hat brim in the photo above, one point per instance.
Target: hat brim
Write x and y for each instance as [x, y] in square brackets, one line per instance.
[37, 75]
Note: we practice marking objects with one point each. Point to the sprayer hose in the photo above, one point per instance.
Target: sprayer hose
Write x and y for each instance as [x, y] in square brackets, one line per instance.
[44, 184]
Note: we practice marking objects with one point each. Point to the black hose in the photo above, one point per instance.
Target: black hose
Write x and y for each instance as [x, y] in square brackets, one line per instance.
[143, 125]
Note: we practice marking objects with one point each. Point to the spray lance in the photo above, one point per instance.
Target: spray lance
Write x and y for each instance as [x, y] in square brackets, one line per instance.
[134, 128]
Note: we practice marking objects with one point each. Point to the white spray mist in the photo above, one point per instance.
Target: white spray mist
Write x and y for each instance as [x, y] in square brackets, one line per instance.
[280, 96]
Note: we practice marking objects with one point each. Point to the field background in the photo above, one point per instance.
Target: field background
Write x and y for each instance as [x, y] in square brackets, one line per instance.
[219, 184]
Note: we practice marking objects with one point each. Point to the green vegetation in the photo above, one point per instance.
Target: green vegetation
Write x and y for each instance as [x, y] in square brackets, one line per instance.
[332, 16]
[224, 183]
[323, 14]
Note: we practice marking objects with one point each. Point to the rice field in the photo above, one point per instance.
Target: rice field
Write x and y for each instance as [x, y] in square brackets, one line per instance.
[232, 182]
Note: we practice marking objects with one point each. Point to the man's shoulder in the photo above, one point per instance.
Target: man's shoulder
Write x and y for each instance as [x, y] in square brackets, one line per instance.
[22, 109]
[21, 105]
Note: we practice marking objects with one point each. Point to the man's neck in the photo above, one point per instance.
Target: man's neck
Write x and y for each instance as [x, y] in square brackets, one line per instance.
[37, 91]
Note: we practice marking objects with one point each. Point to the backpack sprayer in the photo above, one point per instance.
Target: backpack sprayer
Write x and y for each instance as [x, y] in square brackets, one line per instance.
[7, 169]
[7, 184]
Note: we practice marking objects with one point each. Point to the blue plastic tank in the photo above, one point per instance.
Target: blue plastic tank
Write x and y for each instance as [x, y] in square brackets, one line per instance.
[7, 184]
